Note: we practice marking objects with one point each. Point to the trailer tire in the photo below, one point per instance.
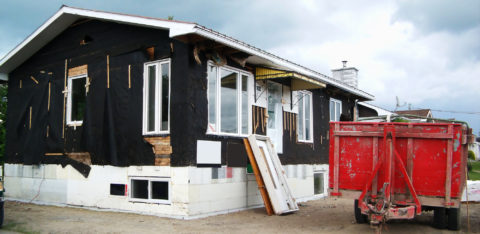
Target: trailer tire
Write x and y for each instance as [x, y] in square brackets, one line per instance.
[454, 222]
[359, 217]
[439, 217]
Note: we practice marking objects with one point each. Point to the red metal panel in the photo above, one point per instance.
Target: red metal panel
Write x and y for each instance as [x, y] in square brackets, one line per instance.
[422, 147]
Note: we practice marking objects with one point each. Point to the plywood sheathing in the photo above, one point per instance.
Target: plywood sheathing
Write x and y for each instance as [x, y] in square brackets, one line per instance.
[77, 71]
[83, 157]
[162, 160]
[161, 148]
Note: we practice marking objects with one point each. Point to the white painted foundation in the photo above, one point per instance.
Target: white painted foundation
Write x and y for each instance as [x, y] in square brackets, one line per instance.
[193, 192]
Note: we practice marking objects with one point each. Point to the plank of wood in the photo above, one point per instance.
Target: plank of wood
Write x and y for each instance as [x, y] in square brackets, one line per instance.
[258, 178]
[108, 71]
[34, 80]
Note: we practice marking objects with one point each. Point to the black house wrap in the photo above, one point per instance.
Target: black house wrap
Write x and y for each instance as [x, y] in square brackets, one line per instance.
[112, 126]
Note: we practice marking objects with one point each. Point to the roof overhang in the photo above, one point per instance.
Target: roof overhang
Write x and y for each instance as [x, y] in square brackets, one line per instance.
[298, 81]
[68, 15]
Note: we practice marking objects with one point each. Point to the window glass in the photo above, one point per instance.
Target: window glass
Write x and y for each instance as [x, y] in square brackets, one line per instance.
[228, 100]
[212, 99]
[159, 190]
[332, 110]
[151, 98]
[78, 99]
[307, 134]
[301, 114]
[318, 187]
[229, 103]
[165, 96]
[244, 104]
[156, 99]
[140, 189]
[337, 111]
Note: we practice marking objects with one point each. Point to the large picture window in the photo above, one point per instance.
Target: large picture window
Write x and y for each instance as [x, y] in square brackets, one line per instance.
[335, 109]
[228, 104]
[305, 117]
[156, 97]
[76, 100]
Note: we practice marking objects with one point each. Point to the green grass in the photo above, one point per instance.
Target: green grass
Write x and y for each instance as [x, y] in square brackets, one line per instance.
[17, 227]
[474, 174]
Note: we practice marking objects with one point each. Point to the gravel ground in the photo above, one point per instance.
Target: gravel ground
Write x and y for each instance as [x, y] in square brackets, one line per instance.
[328, 215]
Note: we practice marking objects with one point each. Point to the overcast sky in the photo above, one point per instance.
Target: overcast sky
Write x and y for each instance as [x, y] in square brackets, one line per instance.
[425, 52]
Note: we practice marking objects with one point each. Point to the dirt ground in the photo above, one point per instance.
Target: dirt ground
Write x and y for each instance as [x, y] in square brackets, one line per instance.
[321, 216]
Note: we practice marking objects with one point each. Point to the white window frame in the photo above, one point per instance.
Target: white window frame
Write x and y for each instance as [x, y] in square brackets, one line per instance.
[218, 113]
[303, 94]
[70, 122]
[158, 96]
[334, 110]
[150, 180]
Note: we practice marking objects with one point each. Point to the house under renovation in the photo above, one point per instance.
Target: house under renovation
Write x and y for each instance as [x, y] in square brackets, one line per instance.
[148, 115]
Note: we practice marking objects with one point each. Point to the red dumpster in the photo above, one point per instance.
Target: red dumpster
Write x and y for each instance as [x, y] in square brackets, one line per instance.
[396, 170]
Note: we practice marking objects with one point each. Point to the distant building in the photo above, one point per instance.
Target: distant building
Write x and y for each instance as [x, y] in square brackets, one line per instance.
[425, 113]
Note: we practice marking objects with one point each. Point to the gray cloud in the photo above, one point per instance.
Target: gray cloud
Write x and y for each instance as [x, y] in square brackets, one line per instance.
[448, 15]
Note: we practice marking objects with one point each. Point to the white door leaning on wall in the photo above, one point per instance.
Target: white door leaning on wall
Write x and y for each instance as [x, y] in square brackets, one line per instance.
[274, 107]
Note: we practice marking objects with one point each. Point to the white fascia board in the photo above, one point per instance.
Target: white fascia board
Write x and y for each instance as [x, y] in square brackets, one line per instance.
[3, 76]
[176, 28]
[278, 61]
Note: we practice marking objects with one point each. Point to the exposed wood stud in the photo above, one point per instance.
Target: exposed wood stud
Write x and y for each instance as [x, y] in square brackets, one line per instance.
[48, 130]
[49, 93]
[64, 97]
[30, 120]
[108, 71]
[20, 83]
[129, 76]
[284, 120]
[34, 80]
[53, 154]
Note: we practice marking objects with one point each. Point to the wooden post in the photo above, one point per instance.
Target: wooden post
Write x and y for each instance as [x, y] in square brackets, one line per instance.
[64, 97]
[258, 177]
[108, 71]
[129, 76]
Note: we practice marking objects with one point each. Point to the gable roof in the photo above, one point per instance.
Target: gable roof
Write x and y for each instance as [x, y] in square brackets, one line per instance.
[68, 15]
[422, 112]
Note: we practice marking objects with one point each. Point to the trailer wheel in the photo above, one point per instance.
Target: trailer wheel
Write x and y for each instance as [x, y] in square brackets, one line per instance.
[439, 217]
[359, 217]
[454, 219]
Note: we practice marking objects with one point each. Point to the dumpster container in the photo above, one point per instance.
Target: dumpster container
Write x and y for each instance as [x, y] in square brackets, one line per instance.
[396, 170]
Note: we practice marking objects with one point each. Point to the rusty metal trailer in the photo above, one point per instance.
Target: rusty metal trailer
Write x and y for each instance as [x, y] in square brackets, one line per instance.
[396, 170]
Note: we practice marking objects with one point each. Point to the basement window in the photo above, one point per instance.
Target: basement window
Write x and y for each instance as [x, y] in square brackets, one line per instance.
[117, 190]
[228, 95]
[151, 190]
[156, 97]
[76, 99]
[335, 109]
[305, 117]
[318, 183]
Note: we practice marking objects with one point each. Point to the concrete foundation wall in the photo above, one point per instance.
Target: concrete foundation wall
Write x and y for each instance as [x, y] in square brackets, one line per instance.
[194, 192]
